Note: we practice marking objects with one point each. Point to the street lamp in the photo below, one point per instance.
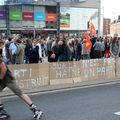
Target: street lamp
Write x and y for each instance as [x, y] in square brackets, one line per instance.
[58, 18]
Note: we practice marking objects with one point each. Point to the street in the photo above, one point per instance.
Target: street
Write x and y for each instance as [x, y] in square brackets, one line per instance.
[92, 103]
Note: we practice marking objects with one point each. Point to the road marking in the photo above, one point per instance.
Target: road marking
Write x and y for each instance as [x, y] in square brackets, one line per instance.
[117, 113]
[64, 89]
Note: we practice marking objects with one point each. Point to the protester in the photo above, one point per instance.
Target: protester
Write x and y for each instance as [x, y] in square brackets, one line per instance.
[20, 52]
[85, 53]
[49, 49]
[28, 48]
[71, 48]
[114, 47]
[78, 50]
[34, 53]
[97, 49]
[55, 50]
[13, 49]
[63, 52]
[107, 48]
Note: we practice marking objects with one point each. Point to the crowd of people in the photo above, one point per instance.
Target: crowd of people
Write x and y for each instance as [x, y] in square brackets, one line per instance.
[25, 51]
[18, 50]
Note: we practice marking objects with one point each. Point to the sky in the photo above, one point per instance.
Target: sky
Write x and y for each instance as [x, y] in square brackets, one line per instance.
[1, 2]
[110, 8]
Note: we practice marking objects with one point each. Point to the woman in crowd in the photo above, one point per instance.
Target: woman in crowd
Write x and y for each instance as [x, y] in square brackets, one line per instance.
[107, 48]
[114, 47]
[97, 49]
[20, 52]
[63, 51]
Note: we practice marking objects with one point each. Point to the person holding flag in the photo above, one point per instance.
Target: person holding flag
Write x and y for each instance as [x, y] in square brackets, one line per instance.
[86, 47]
[88, 42]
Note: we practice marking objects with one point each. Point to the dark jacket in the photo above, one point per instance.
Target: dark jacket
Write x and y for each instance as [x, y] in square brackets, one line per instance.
[63, 53]
[34, 55]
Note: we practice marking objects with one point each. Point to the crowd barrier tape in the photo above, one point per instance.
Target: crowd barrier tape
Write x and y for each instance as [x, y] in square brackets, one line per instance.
[31, 77]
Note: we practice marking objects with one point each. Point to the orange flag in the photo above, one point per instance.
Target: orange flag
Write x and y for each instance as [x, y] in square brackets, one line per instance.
[92, 28]
[88, 42]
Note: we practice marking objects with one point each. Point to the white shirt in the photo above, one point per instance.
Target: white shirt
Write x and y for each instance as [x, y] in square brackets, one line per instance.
[40, 50]
[13, 48]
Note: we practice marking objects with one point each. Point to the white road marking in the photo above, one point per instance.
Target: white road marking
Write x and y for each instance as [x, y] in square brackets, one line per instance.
[117, 113]
[64, 89]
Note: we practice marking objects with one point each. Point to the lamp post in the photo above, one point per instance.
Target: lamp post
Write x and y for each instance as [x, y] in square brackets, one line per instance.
[7, 21]
[58, 18]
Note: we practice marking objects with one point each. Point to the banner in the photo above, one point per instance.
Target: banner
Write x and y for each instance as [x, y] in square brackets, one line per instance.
[39, 16]
[52, 17]
[72, 18]
[88, 42]
[28, 16]
[2, 15]
[92, 28]
[15, 15]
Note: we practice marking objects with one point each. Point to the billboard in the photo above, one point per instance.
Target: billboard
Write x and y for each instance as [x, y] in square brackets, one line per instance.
[28, 16]
[15, 15]
[51, 17]
[39, 16]
[77, 18]
[65, 20]
[2, 15]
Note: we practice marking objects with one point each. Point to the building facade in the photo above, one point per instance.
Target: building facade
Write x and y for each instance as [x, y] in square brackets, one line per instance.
[106, 26]
[115, 27]
[42, 16]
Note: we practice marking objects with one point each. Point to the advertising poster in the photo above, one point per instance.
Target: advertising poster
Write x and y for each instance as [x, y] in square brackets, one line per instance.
[39, 16]
[28, 16]
[2, 15]
[77, 18]
[64, 20]
[52, 17]
[15, 15]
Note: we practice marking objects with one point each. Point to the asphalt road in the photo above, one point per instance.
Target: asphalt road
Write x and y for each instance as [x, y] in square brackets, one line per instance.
[94, 103]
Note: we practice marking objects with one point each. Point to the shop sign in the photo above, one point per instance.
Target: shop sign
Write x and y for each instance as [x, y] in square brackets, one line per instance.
[52, 17]
[2, 15]
[28, 16]
[39, 16]
[15, 15]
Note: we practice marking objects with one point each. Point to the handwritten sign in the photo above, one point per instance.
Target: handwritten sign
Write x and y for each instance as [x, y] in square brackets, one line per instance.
[31, 76]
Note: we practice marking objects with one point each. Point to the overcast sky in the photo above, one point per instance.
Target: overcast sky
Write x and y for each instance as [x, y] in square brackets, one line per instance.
[111, 8]
[1, 1]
